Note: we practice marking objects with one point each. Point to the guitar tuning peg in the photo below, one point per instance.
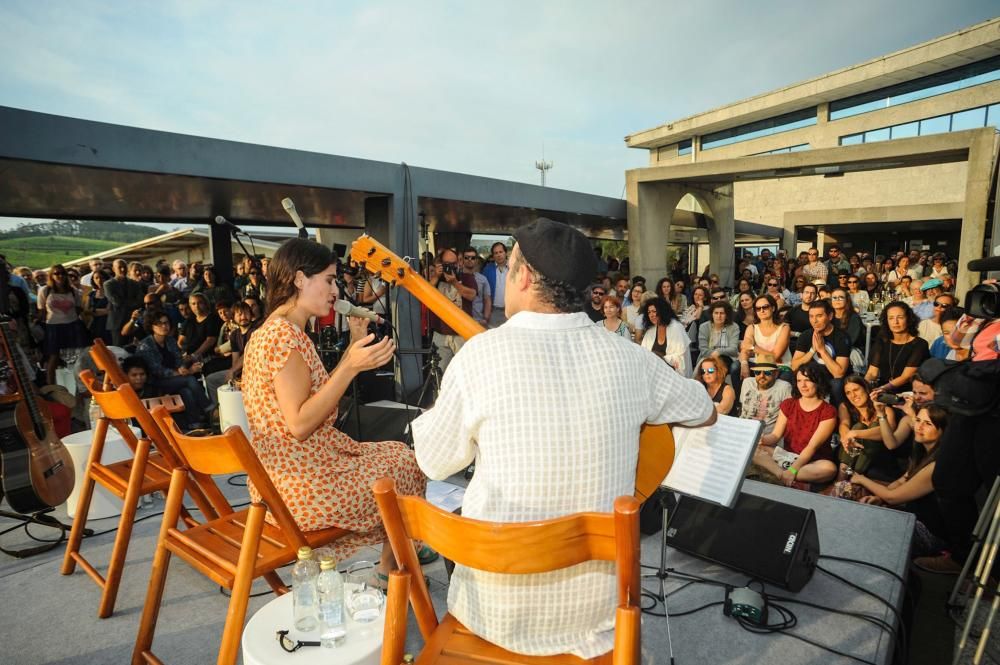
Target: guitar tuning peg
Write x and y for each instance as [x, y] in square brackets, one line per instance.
[400, 272]
[371, 250]
[386, 263]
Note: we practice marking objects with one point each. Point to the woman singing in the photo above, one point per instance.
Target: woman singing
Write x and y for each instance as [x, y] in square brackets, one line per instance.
[323, 475]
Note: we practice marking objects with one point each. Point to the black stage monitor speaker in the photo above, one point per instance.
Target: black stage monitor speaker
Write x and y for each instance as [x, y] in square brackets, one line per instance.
[768, 540]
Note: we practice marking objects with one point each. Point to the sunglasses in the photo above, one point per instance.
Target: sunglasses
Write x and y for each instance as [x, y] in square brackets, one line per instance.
[470, 258]
[598, 293]
[838, 298]
[763, 372]
[708, 370]
[762, 308]
[941, 305]
[772, 283]
[722, 297]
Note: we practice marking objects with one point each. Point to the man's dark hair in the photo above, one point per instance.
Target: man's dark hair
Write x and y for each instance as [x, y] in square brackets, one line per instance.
[561, 296]
[135, 361]
[470, 249]
[808, 285]
[725, 307]
[494, 246]
[823, 305]
[951, 314]
[833, 246]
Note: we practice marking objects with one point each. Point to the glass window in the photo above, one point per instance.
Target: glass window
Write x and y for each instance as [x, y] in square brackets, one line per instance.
[971, 119]
[937, 125]
[798, 148]
[877, 135]
[684, 147]
[753, 130]
[906, 131]
[852, 139]
[967, 76]
[993, 115]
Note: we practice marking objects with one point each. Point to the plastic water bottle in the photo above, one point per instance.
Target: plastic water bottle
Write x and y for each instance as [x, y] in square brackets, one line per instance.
[330, 586]
[304, 598]
[94, 412]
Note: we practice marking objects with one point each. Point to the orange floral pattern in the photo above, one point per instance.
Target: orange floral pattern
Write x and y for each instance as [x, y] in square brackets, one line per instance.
[326, 479]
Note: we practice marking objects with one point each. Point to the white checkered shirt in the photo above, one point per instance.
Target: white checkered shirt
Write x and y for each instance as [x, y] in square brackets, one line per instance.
[529, 402]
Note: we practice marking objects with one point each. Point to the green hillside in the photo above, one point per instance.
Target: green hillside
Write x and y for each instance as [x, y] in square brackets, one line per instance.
[43, 251]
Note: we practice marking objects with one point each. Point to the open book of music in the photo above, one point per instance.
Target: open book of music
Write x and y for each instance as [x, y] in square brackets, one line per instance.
[711, 462]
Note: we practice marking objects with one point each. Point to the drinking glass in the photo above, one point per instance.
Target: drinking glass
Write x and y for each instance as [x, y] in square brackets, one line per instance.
[363, 598]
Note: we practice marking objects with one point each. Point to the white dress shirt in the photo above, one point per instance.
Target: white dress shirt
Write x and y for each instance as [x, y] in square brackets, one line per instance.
[529, 402]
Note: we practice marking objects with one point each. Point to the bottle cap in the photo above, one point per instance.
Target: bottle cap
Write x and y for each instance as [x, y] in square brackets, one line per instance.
[327, 563]
[408, 658]
[305, 552]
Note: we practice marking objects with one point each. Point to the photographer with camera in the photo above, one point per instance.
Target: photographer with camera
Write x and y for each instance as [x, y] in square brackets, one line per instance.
[460, 288]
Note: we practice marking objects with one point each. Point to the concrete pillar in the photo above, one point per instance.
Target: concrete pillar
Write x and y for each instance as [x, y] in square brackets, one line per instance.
[722, 234]
[650, 209]
[977, 195]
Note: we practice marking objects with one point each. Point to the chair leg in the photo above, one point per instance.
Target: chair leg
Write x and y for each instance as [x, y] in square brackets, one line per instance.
[237, 612]
[83, 501]
[158, 574]
[116, 565]
[277, 585]
[394, 631]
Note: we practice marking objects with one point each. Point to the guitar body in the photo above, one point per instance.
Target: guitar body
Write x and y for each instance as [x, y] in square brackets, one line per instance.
[36, 470]
[656, 442]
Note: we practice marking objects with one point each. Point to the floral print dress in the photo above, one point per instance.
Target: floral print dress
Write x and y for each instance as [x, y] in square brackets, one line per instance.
[326, 479]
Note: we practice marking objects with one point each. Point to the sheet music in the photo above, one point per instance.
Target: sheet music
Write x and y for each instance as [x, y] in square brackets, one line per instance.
[711, 461]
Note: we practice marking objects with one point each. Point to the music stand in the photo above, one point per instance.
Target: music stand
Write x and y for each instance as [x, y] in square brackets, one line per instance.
[432, 384]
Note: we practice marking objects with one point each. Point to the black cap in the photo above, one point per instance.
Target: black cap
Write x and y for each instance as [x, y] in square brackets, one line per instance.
[558, 251]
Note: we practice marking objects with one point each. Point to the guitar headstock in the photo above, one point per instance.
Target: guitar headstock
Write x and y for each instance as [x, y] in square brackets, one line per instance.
[376, 258]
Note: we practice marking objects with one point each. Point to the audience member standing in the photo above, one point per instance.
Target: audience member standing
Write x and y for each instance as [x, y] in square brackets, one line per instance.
[460, 289]
[482, 306]
[496, 275]
[124, 297]
[180, 279]
[815, 269]
[59, 307]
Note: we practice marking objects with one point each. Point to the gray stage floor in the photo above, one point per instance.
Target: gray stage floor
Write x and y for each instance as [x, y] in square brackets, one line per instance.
[48, 618]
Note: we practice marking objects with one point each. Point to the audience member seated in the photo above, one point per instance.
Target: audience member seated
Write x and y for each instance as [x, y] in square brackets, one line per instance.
[139, 322]
[897, 351]
[805, 423]
[944, 346]
[827, 348]
[743, 313]
[719, 334]
[861, 448]
[914, 490]
[766, 335]
[666, 337]
[761, 398]
[847, 319]
[237, 342]
[137, 371]
[712, 372]
[632, 309]
[929, 328]
[169, 374]
[201, 331]
[859, 297]
[612, 320]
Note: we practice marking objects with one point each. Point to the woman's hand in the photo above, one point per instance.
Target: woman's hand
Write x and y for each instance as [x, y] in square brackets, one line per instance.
[879, 406]
[871, 500]
[907, 407]
[787, 478]
[858, 479]
[358, 327]
[849, 440]
[362, 355]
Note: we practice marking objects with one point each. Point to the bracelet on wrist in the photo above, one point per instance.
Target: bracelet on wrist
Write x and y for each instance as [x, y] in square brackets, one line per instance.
[792, 470]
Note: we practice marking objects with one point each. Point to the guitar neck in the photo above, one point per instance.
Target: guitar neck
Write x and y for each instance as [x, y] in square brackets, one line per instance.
[24, 383]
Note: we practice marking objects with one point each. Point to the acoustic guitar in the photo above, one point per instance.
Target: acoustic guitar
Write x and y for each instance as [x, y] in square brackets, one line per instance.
[37, 472]
[656, 442]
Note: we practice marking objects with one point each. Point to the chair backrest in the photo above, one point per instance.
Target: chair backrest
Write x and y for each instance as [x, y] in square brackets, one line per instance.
[107, 363]
[121, 405]
[514, 548]
[227, 453]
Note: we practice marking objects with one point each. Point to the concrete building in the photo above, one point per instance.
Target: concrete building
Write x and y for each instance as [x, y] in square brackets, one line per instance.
[895, 153]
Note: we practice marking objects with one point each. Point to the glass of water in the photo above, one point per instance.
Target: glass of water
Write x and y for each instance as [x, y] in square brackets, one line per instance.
[362, 597]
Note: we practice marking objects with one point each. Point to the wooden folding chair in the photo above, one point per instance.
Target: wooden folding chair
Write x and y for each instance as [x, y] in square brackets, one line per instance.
[147, 471]
[233, 549]
[514, 548]
[114, 376]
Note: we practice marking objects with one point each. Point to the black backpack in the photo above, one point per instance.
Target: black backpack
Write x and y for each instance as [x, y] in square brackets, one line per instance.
[966, 388]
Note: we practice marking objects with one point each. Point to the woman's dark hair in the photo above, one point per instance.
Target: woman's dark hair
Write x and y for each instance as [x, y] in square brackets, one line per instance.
[739, 285]
[154, 315]
[659, 287]
[848, 308]
[164, 271]
[208, 270]
[920, 457]
[912, 321]
[664, 311]
[706, 295]
[103, 274]
[770, 301]
[54, 285]
[725, 307]
[296, 254]
[856, 414]
[818, 375]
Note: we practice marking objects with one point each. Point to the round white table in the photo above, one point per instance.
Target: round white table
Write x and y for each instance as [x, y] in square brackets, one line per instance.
[103, 503]
[362, 646]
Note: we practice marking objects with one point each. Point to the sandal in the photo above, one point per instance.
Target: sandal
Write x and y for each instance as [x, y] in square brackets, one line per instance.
[426, 555]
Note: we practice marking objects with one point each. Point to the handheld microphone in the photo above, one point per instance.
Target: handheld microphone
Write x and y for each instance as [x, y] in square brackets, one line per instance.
[347, 309]
[222, 221]
[289, 207]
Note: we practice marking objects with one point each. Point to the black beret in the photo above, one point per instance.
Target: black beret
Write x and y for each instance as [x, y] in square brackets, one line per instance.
[558, 251]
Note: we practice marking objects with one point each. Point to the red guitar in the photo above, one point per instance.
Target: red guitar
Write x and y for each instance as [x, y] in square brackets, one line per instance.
[656, 442]
[37, 472]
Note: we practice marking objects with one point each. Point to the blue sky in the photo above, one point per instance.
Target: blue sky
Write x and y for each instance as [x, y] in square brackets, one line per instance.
[473, 87]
